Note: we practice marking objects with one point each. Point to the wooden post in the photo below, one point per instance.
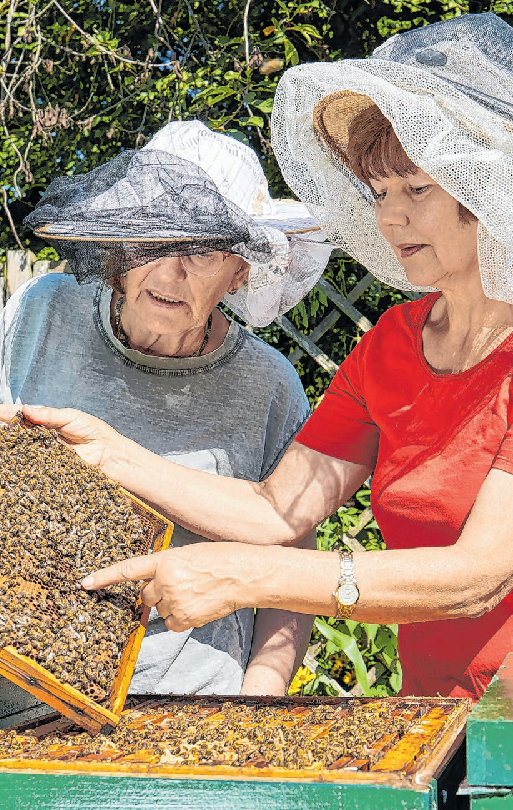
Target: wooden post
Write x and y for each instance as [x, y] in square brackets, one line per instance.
[19, 269]
[41, 268]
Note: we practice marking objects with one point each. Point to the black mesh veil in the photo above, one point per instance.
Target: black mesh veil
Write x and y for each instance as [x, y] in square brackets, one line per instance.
[190, 190]
[138, 207]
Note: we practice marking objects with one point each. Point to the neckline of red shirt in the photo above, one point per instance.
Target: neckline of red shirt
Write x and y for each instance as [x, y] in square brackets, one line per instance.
[428, 304]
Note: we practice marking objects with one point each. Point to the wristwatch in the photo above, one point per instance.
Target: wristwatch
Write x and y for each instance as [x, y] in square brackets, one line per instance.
[346, 593]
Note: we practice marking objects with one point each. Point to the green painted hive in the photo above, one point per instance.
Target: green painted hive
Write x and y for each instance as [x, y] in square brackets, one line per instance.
[490, 744]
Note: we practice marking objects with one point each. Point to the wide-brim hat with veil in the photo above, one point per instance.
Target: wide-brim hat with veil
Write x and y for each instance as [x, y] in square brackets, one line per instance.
[189, 190]
[447, 89]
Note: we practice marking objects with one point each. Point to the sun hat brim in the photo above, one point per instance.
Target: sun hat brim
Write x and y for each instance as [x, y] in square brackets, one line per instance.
[290, 217]
[46, 233]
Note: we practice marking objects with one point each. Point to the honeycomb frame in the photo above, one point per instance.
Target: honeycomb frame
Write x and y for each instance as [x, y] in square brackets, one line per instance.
[77, 705]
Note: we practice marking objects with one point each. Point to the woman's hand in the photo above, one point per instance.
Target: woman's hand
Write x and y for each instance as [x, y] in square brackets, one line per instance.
[189, 586]
[92, 439]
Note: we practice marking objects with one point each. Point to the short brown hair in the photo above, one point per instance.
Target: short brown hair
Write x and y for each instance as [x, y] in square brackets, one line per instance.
[374, 151]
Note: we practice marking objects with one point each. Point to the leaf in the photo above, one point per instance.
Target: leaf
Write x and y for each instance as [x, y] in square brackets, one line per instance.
[302, 314]
[347, 644]
[239, 136]
[269, 30]
[291, 54]
[396, 680]
[215, 94]
[309, 29]
[265, 106]
[371, 631]
[283, 8]
[254, 121]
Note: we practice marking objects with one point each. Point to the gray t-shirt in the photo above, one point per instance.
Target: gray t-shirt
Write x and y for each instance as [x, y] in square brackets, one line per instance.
[232, 412]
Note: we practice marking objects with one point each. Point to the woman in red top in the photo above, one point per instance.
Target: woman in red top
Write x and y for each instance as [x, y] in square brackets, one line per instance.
[424, 400]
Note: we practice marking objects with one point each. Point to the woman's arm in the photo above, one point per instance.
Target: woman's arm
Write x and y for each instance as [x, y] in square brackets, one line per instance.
[280, 640]
[195, 585]
[305, 487]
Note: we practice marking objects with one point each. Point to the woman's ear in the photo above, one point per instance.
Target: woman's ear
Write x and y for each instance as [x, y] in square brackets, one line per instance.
[239, 277]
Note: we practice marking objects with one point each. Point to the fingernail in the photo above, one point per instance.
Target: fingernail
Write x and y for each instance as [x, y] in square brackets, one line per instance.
[87, 582]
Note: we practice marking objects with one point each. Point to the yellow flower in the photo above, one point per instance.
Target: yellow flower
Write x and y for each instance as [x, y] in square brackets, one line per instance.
[302, 677]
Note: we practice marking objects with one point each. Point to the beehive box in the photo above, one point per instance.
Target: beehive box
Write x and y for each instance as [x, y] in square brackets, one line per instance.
[59, 519]
[207, 752]
[490, 744]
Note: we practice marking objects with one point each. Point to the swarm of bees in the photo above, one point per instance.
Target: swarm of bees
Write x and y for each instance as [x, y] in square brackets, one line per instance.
[184, 732]
[61, 519]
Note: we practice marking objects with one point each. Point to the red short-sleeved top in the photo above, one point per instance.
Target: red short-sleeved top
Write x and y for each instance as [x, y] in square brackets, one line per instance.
[432, 439]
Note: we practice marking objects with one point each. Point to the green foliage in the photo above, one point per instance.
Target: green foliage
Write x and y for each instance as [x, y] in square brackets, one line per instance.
[83, 80]
[349, 651]
[330, 533]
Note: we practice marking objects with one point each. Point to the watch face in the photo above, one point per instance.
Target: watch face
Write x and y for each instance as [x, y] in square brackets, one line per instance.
[348, 594]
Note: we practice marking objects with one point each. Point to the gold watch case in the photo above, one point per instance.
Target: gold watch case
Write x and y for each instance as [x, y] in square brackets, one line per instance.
[346, 593]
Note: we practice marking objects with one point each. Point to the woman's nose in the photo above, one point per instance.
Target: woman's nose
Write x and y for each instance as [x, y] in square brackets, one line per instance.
[392, 211]
[171, 266]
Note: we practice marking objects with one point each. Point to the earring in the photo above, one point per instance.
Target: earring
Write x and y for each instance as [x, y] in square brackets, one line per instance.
[232, 292]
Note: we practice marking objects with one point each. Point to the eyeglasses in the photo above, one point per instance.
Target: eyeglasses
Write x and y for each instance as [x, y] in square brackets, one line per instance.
[204, 265]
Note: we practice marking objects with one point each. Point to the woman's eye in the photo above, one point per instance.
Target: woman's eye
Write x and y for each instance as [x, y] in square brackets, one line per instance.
[378, 196]
[418, 189]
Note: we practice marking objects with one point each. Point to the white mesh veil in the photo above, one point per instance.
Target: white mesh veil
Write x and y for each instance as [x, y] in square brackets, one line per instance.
[447, 89]
[190, 190]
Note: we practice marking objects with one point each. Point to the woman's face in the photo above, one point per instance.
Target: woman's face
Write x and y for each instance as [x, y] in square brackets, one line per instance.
[168, 300]
[421, 221]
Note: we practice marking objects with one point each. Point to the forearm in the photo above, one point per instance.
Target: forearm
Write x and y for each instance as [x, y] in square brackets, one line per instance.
[305, 487]
[280, 640]
[413, 585]
[194, 585]
[212, 506]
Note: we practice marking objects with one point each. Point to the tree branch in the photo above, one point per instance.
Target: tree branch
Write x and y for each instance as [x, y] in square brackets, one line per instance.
[10, 219]
[246, 31]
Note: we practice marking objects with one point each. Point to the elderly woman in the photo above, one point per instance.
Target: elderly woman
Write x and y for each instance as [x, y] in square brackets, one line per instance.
[167, 232]
[406, 160]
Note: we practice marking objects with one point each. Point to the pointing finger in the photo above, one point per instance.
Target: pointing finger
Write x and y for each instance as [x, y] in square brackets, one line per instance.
[150, 596]
[133, 569]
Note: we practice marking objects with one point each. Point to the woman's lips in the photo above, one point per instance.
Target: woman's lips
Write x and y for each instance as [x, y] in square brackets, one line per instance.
[409, 250]
[163, 301]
